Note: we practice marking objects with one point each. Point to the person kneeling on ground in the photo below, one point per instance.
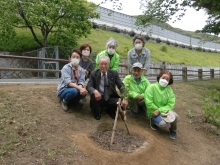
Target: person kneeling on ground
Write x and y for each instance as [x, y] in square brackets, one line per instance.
[135, 85]
[101, 87]
[71, 82]
[160, 101]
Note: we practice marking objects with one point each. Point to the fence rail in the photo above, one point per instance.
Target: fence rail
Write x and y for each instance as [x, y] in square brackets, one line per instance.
[182, 75]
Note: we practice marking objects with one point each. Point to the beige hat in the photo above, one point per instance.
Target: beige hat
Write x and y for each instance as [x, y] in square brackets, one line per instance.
[169, 117]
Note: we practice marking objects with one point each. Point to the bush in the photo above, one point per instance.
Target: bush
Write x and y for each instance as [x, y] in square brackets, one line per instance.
[131, 33]
[176, 44]
[183, 46]
[158, 40]
[168, 42]
[199, 49]
[211, 107]
[190, 47]
[147, 37]
[164, 48]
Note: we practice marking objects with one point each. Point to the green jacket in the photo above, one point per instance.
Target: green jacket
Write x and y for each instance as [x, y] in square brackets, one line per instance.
[133, 88]
[114, 62]
[159, 98]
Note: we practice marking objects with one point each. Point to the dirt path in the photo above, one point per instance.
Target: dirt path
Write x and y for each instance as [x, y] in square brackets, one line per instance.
[42, 133]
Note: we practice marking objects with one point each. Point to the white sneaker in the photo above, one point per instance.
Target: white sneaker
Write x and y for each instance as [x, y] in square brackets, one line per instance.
[64, 106]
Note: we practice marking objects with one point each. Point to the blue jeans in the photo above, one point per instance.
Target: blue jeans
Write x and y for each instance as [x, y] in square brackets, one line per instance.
[69, 94]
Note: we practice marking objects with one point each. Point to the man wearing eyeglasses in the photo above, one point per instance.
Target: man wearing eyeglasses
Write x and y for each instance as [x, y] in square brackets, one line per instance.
[101, 87]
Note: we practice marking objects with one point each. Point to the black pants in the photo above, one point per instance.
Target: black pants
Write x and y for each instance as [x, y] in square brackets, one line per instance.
[97, 106]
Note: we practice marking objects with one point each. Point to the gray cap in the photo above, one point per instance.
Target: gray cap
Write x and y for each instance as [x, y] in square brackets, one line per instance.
[137, 65]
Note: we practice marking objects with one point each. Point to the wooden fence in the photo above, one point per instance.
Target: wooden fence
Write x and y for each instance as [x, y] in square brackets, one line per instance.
[123, 69]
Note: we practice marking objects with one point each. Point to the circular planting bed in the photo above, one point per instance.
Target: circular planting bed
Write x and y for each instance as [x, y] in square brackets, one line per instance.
[123, 141]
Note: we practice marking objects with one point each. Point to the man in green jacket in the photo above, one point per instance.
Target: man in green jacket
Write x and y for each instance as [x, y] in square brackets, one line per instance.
[135, 85]
[111, 46]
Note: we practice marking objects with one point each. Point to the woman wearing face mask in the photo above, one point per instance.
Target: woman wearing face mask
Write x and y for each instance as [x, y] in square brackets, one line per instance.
[71, 86]
[160, 101]
[111, 46]
[139, 54]
[85, 62]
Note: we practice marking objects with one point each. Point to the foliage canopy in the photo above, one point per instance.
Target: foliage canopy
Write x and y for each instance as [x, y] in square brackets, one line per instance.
[155, 11]
[62, 20]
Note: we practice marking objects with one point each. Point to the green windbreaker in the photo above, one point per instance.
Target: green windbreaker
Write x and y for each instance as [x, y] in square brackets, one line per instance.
[159, 98]
[114, 62]
[133, 88]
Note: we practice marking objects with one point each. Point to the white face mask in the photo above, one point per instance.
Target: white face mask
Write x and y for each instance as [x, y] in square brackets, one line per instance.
[163, 82]
[85, 53]
[138, 46]
[111, 51]
[75, 62]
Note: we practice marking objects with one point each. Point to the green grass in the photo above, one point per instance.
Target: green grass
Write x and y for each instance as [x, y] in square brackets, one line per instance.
[97, 39]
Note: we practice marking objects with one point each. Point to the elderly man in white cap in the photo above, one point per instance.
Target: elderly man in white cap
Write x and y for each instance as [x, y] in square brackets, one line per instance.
[111, 46]
[135, 85]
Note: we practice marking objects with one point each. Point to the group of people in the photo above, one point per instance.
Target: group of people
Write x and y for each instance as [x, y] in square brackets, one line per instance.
[143, 98]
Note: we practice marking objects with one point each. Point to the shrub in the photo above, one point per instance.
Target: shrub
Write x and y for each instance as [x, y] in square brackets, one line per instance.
[176, 44]
[211, 107]
[164, 48]
[158, 40]
[131, 33]
[190, 47]
[183, 46]
[168, 42]
[147, 37]
[199, 49]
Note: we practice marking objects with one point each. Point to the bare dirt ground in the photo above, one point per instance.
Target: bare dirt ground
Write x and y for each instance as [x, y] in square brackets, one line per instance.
[34, 130]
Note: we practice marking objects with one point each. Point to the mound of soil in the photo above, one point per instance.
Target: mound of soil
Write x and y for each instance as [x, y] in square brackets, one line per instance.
[123, 141]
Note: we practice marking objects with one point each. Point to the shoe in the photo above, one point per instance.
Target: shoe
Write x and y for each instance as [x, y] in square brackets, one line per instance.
[153, 126]
[142, 111]
[133, 114]
[97, 116]
[172, 134]
[64, 106]
[78, 104]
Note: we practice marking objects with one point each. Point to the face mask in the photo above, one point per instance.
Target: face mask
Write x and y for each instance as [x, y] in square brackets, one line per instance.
[163, 82]
[75, 62]
[85, 53]
[138, 46]
[111, 51]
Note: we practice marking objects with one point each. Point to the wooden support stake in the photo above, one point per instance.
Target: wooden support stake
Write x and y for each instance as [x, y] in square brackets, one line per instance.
[121, 111]
[116, 118]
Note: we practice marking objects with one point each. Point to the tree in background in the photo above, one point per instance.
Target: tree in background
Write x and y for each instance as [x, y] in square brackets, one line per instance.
[165, 10]
[161, 11]
[63, 21]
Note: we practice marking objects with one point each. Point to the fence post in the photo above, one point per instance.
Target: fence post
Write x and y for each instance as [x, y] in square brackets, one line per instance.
[57, 63]
[162, 66]
[184, 73]
[200, 76]
[212, 74]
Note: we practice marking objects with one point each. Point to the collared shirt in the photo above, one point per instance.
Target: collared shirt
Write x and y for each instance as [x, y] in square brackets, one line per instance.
[143, 58]
[135, 80]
